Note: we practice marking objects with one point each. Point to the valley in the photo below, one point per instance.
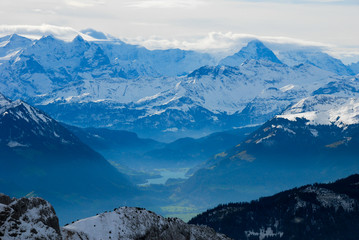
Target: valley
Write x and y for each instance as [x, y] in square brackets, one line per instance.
[93, 125]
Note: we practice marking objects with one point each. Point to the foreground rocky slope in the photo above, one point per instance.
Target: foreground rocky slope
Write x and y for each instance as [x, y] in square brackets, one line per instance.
[319, 211]
[136, 223]
[35, 218]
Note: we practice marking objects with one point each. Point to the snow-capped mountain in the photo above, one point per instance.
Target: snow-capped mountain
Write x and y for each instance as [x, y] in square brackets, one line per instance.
[318, 211]
[28, 218]
[254, 50]
[316, 58]
[35, 67]
[209, 99]
[136, 223]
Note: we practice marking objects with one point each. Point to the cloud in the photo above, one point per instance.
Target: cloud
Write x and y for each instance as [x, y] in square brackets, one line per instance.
[324, 2]
[36, 32]
[224, 44]
[84, 3]
[166, 4]
[217, 43]
[220, 42]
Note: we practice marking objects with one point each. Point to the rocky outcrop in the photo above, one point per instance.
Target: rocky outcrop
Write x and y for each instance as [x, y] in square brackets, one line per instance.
[27, 218]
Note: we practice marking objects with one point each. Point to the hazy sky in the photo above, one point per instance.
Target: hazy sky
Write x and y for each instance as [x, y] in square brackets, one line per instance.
[197, 23]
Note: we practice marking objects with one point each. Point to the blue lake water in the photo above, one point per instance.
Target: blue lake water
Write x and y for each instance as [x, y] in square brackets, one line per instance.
[167, 174]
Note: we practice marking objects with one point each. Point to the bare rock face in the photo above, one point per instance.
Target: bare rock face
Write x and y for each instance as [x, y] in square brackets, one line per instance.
[136, 223]
[27, 218]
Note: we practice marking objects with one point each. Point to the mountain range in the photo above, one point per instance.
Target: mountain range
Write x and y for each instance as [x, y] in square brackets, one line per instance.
[161, 94]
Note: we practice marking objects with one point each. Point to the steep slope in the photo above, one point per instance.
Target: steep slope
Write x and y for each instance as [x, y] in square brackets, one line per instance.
[27, 218]
[136, 223]
[11, 46]
[319, 211]
[254, 50]
[39, 155]
[314, 140]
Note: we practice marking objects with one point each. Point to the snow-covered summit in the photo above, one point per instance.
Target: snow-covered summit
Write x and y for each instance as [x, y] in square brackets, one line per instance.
[136, 223]
[325, 110]
[23, 125]
[254, 50]
[22, 110]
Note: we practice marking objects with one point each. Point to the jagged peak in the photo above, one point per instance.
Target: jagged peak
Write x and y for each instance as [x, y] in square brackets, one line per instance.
[256, 43]
[78, 39]
[16, 37]
[47, 39]
[256, 50]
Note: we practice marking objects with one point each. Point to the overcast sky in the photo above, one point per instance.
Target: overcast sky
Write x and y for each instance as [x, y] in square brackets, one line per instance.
[198, 23]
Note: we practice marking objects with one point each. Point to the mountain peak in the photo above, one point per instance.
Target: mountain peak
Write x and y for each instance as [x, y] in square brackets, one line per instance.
[256, 43]
[79, 39]
[256, 50]
[48, 38]
[15, 40]
[14, 37]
